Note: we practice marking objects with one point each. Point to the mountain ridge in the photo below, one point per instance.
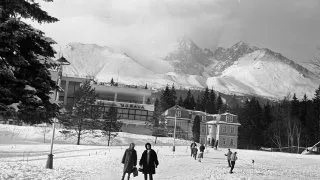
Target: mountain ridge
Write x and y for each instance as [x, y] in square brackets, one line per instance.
[190, 66]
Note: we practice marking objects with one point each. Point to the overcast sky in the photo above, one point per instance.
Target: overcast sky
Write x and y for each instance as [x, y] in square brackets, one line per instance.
[149, 27]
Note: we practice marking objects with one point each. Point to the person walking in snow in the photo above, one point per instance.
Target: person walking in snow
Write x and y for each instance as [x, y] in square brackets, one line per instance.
[228, 157]
[194, 152]
[149, 162]
[202, 148]
[233, 161]
[193, 145]
[216, 144]
[129, 160]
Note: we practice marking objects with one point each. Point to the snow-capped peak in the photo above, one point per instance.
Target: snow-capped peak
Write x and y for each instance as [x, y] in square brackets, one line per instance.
[239, 69]
[186, 43]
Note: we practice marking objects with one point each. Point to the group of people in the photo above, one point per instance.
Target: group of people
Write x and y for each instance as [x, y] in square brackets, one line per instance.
[231, 157]
[148, 162]
[194, 151]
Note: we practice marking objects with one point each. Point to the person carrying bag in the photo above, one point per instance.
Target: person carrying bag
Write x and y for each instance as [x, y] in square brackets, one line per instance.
[129, 160]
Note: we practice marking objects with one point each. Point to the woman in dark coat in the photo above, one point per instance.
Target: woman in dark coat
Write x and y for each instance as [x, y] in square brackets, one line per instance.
[149, 162]
[129, 160]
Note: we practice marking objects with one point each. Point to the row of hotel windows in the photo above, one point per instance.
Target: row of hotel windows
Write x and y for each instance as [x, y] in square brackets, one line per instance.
[225, 128]
[203, 118]
[135, 114]
[229, 129]
[229, 118]
[132, 114]
[231, 143]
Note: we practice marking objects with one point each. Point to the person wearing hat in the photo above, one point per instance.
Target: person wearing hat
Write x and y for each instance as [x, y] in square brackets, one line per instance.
[233, 161]
[129, 160]
[149, 162]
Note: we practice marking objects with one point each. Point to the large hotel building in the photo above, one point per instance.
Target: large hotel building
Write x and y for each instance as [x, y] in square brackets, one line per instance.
[134, 104]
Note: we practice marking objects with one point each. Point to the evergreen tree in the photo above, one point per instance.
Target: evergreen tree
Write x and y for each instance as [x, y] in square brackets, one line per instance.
[158, 129]
[250, 131]
[165, 99]
[196, 129]
[266, 121]
[294, 106]
[186, 102]
[219, 104]
[25, 82]
[205, 100]
[316, 104]
[303, 110]
[172, 96]
[198, 104]
[267, 116]
[112, 82]
[85, 97]
[192, 104]
[156, 113]
[110, 122]
[212, 103]
[180, 102]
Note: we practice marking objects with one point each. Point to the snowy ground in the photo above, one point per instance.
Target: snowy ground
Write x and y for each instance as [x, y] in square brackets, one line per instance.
[27, 161]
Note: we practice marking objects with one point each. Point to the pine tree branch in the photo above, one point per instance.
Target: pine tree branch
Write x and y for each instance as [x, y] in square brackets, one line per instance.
[27, 9]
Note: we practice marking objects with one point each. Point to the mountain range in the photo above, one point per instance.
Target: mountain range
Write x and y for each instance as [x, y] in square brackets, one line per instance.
[241, 69]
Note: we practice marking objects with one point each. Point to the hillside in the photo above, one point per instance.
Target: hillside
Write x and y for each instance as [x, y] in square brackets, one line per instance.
[241, 69]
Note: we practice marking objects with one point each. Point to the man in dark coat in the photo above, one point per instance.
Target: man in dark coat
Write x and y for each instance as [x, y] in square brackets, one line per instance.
[129, 160]
[149, 162]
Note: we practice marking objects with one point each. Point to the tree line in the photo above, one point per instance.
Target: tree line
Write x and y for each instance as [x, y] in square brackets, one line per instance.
[208, 101]
[286, 125]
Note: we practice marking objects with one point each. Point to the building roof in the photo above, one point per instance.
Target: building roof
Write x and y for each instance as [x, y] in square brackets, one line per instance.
[222, 122]
[177, 107]
[63, 61]
[227, 113]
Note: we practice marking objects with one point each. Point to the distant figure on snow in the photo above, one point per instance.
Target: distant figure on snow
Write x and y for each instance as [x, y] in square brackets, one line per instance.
[229, 157]
[194, 152]
[148, 162]
[216, 144]
[202, 148]
[212, 142]
[233, 161]
[193, 145]
[129, 160]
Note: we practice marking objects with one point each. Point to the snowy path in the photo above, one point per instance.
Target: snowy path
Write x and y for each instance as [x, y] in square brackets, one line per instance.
[97, 162]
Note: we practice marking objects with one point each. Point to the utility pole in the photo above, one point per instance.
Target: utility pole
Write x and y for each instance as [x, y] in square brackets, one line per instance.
[175, 126]
[61, 61]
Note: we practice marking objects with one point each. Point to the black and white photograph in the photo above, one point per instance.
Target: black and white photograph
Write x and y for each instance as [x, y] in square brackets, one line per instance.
[159, 89]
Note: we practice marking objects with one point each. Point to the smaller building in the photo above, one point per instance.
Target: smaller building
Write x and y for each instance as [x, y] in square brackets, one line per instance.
[214, 128]
[223, 130]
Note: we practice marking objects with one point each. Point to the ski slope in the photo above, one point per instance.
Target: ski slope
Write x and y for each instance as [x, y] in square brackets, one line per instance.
[28, 160]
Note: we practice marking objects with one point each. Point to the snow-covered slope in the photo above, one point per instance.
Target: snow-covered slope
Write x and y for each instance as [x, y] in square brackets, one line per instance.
[105, 63]
[262, 73]
[239, 69]
[102, 62]
[27, 159]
